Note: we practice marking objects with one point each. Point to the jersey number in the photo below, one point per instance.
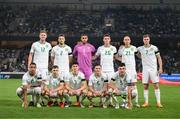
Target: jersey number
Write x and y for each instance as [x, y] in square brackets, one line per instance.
[127, 52]
[42, 49]
[108, 52]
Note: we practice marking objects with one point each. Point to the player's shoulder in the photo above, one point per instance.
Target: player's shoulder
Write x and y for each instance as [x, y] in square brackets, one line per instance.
[67, 47]
[115, 74]
[140, 47]
[48, 44]
[134, 47]
[26, 74]
[153, 46]
[81, 74]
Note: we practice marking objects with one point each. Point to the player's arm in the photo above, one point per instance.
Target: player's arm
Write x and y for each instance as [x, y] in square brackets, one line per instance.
[111, 84]
[160, 63]
[105, 86]
[84, 85]
[30, 57]
[118, 57]
[91, 89]
[67, 86]
[60, 87]
[97, 54]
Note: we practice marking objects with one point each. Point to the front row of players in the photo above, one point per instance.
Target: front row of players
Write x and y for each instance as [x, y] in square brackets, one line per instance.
[57, 87]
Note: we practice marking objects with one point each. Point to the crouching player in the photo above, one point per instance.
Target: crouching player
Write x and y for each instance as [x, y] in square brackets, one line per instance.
[53, 88]
[121, 84]
[75, 85]
[98, 87]
[31, 85]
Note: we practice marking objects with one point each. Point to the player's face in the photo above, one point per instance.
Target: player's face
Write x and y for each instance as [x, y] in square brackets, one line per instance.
[43, 36]
[122, 70]
[97, 70]
[84, 39]
[75, 68]
[55, 72]
[146, 40]
[106, 40]
[61, 40]
[127, 40]
[32, 70]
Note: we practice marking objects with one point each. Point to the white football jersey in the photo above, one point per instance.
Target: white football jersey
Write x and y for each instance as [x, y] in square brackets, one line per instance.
[61, 57]
[41, 54]
[53, 82]
[121, 82]
[106, 57]
[98, 82]
[148, 56]
[75, 81]
[32, 80]
[128, 56]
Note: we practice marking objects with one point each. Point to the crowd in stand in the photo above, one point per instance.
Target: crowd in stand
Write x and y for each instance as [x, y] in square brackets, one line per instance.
[30, 20]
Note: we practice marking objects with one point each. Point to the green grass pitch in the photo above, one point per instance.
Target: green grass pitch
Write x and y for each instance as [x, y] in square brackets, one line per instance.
[10, 106]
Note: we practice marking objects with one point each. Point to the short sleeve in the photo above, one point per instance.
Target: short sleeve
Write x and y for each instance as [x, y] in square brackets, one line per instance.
[69, 51]
[24, 80]
[32, 48]
[90, 83]
[53, 52]
[98, 51]
[120, 51]
[156, 50]
[115, 50]
[66, 78]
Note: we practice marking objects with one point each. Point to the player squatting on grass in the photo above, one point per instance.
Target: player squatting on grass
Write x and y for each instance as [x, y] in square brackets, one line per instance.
[56, 87]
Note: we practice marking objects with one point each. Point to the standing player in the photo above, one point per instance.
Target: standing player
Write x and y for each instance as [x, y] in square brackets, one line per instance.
[31, 82]
[61, 56]
[122, 85]
[126, 54]
[83, 51]
[98, 86]
[106, 54]
[150, 55]
[39, 54]
[75, 84]
[54, 87]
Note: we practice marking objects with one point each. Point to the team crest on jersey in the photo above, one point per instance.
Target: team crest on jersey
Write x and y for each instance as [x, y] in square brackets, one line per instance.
[132, 49]
[102, 79]
[66, 49]
[111, 49]
[46, 46]
[79, 77]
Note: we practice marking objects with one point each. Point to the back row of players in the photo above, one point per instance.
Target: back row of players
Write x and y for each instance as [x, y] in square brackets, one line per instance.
[100, 82]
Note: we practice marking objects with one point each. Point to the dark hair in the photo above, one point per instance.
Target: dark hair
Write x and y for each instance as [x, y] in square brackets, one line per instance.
[55, 67]
[43, 31]
[33, 63]
[75, 63]
[97, 65]
[146, 35]
[121, 65]
[106, 35]
[61, 35]
[84, 34]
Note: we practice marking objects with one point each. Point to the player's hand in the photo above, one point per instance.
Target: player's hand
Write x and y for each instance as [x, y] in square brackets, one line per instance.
[160, 71]
[78, 91]
[116, 91]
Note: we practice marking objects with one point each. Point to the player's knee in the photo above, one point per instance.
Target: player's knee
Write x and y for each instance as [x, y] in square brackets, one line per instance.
[134, 94]
[19, 91]
[37, 90]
